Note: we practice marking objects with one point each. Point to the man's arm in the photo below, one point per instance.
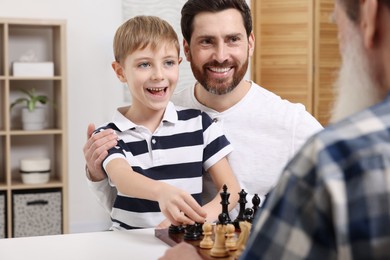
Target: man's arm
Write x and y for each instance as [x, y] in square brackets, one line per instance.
[95, 150]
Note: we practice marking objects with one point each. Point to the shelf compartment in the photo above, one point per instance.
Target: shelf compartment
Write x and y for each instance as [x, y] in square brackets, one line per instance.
[2, 50]
[38, 43]
[36, 212]
[53, 108]
[37, 146]
[3, 158]
[3, 214]
[3, 111]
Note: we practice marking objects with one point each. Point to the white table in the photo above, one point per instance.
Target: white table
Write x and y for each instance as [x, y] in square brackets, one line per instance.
[107, 245]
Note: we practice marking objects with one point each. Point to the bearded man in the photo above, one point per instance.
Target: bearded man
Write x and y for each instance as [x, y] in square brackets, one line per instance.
[333, 198]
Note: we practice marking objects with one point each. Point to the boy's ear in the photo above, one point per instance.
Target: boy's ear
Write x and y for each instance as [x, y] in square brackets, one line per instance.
[117, 67]
[180, 59]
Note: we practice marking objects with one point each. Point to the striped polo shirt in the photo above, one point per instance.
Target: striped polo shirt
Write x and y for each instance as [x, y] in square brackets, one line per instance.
[185, 145]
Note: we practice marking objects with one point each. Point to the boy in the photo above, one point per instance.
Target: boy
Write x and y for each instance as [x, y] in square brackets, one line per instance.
[161, 152]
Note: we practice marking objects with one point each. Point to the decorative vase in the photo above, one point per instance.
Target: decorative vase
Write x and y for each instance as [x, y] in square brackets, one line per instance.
[34, 120]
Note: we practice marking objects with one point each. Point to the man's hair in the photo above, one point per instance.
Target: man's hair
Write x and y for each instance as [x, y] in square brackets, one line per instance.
[193, 7]
[351, 7]
[140, 32]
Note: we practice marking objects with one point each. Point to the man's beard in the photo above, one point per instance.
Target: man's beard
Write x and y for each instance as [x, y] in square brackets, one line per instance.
[356, 89]
[220, 86]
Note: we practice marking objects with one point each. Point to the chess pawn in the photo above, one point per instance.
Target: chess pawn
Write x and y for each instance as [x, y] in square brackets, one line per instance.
[256, 203]
[248, 215]
[175, 229]
[231, 240]
[207, 242]
[219, 248]
[193, 232]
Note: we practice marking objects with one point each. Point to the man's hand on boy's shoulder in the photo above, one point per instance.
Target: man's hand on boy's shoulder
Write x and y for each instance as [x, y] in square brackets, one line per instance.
[95, 151]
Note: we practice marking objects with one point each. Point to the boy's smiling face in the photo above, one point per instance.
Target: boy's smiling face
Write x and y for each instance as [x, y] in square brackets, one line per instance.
[151, 75]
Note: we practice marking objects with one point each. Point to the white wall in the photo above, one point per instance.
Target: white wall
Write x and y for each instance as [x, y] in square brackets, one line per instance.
[93, 90]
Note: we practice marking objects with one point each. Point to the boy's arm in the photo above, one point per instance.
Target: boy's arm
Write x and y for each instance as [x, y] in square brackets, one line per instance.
[95, 150]
[177, 205]
[221, 173]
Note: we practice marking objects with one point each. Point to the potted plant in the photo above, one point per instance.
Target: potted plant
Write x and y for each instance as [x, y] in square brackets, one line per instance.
[33, 115]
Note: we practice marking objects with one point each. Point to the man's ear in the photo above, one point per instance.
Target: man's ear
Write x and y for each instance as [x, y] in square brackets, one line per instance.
[251, 43]
[368, 21]
[186, 48]
[117, 67]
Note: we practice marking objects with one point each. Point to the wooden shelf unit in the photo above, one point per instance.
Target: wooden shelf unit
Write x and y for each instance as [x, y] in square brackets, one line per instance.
[47, 40]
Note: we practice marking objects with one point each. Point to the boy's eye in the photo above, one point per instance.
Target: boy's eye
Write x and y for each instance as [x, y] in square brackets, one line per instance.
[144, 65]
[170, 63]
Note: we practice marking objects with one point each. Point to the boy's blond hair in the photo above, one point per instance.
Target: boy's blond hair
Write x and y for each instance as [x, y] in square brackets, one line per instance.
[140, 32]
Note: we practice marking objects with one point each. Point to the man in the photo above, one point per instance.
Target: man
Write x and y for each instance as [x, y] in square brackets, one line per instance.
[333, 198]
[264, 130]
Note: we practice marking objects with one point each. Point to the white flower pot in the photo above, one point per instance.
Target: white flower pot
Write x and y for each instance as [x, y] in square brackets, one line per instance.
[34, 120]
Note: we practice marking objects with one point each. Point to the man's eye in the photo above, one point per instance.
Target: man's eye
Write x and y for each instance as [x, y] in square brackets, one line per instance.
[234, 39]
[206, 41]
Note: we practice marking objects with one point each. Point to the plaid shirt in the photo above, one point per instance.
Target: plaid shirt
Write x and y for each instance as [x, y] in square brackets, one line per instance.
[333, 199]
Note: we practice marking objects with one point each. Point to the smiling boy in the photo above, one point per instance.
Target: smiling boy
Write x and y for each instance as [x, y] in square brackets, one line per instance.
[162, 151]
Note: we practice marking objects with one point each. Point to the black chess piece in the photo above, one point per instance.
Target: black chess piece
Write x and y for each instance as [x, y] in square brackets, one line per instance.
[248, 215]
[175, 229]
[242, 201]
[225, 203]
[193, 232]
[223, 218]
[256, 203]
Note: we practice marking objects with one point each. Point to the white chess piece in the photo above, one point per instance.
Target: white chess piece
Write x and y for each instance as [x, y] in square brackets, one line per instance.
[231, 239]
[219, 248]
[207, 242]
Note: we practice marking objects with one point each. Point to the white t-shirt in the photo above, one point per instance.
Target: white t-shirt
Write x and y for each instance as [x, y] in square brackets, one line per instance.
[265, 132]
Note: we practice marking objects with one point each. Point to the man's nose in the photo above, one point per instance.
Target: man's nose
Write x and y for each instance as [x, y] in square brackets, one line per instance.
[221, 52]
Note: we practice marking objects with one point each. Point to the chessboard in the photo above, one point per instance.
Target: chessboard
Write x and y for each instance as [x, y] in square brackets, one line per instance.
[239, 240]
[225, 239]
[173, 239]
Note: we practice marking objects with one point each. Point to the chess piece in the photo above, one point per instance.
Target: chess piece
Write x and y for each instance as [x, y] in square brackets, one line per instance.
[175, 229]
[256, 203]
[245, 228]
[225, 203]
[231, 240]
[193, 232]
[242, 201]
[248, 215]
[207, 242]
[219, 248]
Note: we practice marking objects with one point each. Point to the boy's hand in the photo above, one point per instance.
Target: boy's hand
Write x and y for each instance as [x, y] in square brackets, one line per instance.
[164, 224]
[95, 150]
[179, 206]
